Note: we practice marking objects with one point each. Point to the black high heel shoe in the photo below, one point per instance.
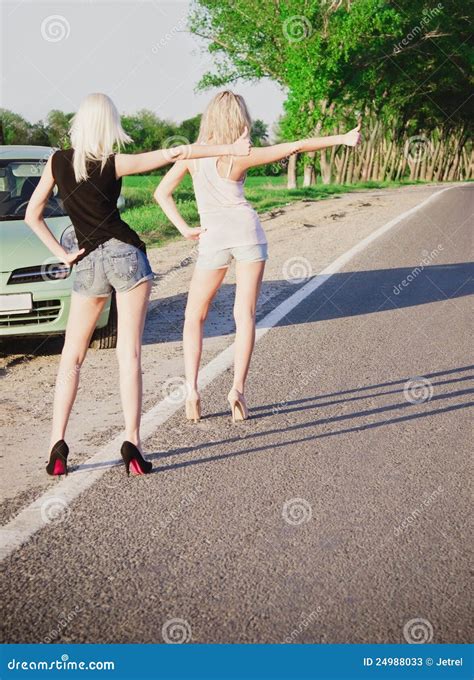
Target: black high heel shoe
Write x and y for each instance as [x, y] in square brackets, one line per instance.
[134, 459]
[58, 459]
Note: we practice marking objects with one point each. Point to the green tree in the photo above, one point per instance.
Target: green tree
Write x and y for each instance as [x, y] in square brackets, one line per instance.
[147, 131]
[16, 129]
[338, 59]
[189, 128]
[57, 126]
[259, 133]
[38, 135]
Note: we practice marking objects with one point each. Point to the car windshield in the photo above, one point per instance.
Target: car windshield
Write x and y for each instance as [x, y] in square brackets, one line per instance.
[18, 180]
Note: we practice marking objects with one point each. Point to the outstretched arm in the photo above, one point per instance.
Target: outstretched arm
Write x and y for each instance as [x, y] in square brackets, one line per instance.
[164, 197]
[131, 164]
[351, 138]
[34, 217]
[271, 154]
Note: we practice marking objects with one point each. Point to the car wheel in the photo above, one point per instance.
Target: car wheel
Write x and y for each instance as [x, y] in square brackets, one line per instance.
[106, 337]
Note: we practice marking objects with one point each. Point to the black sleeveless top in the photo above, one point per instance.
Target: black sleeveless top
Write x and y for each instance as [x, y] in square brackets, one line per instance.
[92, 204]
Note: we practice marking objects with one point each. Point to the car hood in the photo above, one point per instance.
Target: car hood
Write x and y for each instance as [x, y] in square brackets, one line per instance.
[20, 247]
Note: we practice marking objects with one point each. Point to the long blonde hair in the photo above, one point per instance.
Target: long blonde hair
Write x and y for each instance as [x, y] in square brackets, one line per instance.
[224, 119]
[95, 131]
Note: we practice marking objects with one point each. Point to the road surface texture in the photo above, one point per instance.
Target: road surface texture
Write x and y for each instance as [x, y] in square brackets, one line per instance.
[337, 513]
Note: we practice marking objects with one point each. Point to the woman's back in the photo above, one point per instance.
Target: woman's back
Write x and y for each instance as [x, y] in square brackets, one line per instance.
[225, 213]
[92, 203]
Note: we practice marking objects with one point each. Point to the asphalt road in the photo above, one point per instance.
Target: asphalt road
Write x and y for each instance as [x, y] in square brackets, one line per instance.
[338, 513]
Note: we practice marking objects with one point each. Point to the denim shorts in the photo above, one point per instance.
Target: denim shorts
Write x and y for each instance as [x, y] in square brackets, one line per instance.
[222, 258]
[114, 265]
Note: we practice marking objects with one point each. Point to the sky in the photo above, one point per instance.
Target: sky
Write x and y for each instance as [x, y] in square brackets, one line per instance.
[138, 52]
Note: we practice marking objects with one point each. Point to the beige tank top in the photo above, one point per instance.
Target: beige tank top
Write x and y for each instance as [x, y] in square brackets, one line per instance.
[229, 219]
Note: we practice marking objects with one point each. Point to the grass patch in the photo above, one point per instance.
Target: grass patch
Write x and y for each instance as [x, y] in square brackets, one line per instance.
[264, 193]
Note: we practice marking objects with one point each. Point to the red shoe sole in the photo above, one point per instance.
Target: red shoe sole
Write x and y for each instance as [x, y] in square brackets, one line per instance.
[59, 468]
[135, 468]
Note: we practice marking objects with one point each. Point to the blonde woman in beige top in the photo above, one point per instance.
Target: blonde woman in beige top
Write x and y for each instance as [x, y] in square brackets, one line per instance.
[230, 230]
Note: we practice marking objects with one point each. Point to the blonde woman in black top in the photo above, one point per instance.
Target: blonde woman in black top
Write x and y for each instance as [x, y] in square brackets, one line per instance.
[111, 256]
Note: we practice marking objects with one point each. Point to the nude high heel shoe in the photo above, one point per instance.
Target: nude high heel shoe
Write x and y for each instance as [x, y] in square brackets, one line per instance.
[238, 406]
[193, 409]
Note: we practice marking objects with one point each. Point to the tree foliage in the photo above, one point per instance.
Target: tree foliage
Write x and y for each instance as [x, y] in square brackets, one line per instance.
[403, 64]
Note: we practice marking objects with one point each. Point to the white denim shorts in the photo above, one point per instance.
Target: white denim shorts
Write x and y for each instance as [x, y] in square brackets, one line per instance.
[220, 259]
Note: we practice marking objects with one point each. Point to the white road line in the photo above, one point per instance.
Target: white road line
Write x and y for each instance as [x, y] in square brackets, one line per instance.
[35, 516]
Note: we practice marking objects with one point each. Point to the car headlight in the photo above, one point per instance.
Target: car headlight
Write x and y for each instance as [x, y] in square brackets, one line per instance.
[68, 240]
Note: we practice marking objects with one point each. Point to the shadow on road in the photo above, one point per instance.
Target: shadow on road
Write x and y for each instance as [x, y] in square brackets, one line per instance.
[368, 292]
[379, 290]
[317, 402]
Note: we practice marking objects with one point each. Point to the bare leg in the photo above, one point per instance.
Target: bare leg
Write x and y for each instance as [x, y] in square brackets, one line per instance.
[82, 320]
[131, 312]
[249, 279]
[204, 285]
